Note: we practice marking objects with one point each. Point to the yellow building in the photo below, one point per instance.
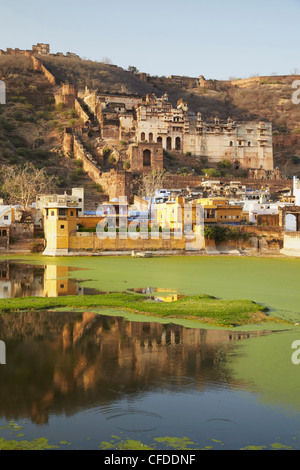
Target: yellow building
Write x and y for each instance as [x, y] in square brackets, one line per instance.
[62, 238]
[218, 210]
[60, 221]
[173, 214]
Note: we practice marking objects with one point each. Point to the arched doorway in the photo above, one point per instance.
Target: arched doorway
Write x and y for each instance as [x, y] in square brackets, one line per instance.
[146, 158]
[169, 143]
[178, 143]
[290, 223]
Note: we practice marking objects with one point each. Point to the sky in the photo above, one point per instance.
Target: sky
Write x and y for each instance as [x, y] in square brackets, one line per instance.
[219, 39]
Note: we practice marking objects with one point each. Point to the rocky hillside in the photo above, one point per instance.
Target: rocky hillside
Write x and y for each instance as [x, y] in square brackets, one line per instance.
[31, 126]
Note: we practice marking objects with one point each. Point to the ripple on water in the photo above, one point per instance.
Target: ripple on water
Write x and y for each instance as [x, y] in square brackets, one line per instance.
[135, 420]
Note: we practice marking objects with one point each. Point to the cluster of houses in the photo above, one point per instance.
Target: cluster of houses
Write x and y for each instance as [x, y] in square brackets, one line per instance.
[68, 227]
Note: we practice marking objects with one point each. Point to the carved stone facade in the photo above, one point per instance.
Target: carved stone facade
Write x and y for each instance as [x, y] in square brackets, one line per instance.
[154, 120]
[246, 145]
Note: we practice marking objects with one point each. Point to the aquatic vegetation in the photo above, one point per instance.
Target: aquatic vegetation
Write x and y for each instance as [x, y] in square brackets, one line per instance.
[36, 444]
[176, 443]
[204, 308]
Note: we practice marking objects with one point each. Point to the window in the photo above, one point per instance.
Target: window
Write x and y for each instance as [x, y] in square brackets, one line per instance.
[6, 217]
[231, 143]
[72, 213]
[52, 213]
[62, 227]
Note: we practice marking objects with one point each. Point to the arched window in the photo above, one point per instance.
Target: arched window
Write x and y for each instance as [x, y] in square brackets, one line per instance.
[231, 143]
[178, 143]
[143, 136]
[169, 143]
[146, 158]
[159, 139]
[150, 137]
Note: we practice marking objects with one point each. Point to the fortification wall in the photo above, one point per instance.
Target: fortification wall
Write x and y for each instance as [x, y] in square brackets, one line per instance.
[247, 82]
[38, 65]
[182, 182]
[115, 183]
[37, 98]
[81, 113]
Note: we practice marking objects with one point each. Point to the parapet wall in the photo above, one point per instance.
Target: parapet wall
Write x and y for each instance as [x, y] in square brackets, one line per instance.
[37, 98]
[81, 113]
[115, 183]
[247, 82]
[38, 65]
[183, 182]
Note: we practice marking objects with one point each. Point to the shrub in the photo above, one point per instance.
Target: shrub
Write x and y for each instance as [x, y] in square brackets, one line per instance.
[106, 153]
[211, 172]
[79, 163]
[215, 232]
[224, 164]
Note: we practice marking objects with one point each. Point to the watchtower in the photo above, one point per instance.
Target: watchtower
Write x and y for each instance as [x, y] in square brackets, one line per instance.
[60, 221]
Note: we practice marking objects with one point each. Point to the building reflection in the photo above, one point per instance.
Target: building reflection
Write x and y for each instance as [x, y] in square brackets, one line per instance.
[25, 280]
[60, 363]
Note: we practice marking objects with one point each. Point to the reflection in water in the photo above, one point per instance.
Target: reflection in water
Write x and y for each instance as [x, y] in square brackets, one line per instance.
[63, 363]
[158, 294]
[25, 280]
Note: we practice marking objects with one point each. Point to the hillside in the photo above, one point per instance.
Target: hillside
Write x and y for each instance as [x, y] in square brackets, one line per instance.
[269, 99]
[31, 127]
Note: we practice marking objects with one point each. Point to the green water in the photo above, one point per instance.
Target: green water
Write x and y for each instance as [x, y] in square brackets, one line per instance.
[268, 281]
[249, 395]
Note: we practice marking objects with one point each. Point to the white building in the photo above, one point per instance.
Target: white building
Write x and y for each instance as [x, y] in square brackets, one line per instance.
[7, 215]
[296, 191]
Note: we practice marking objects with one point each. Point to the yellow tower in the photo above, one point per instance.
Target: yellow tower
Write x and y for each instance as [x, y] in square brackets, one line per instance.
[60, 221]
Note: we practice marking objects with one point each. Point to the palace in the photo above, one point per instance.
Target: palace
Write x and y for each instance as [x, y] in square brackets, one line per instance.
[152, 120]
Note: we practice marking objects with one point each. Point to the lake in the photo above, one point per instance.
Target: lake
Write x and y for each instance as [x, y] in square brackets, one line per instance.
[97, 379]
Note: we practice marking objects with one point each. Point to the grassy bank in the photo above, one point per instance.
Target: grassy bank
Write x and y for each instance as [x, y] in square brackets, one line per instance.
[204, 308]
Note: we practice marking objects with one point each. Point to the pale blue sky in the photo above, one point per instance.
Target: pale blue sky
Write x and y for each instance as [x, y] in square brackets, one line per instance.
[218, 39]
